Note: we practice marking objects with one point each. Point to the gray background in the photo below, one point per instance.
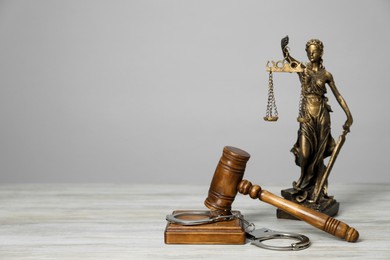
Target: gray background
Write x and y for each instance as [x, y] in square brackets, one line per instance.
[151, 91]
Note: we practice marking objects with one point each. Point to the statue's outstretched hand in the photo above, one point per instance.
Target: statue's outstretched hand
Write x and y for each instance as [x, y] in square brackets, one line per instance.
[347, 126]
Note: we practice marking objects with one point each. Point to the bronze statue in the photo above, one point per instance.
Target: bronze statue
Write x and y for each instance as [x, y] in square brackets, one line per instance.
[314, 142]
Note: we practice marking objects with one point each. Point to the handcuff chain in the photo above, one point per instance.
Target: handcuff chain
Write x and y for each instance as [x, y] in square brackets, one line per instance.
[248, 226]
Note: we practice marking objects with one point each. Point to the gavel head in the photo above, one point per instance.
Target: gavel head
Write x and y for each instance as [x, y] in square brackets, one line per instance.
[227, 176]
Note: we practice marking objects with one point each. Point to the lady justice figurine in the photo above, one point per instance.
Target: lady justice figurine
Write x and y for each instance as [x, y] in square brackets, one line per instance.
[314, 142]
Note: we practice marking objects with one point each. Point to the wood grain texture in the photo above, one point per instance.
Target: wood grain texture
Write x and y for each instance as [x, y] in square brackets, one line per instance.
[124, 221]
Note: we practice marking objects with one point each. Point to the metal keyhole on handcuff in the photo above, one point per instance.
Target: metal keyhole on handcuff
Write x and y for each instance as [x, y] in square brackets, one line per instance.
[255, 236]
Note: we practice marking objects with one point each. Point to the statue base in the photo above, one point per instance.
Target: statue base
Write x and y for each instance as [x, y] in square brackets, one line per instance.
[328, 206]
[218, 233]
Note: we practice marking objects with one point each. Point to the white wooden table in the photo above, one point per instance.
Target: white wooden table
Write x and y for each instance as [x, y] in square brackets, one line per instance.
[123, 221]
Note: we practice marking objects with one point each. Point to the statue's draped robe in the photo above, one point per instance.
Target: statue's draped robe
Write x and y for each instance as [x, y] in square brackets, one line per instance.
[316, 129]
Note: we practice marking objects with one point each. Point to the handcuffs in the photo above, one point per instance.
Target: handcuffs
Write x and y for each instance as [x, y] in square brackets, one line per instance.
[255, 236]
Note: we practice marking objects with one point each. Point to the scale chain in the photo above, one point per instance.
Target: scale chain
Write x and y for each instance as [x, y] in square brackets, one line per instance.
[272, 111]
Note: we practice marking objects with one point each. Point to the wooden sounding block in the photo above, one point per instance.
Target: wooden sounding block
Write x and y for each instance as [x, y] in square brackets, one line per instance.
[218, 233]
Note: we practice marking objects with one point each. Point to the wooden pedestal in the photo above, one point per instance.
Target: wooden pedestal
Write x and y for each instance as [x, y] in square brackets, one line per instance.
[327, 206]
[223, 232]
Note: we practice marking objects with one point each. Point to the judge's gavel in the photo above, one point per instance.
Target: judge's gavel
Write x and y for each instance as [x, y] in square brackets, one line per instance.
[227, 181]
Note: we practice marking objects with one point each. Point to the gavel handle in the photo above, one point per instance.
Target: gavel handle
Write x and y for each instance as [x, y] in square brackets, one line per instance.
[310, 216]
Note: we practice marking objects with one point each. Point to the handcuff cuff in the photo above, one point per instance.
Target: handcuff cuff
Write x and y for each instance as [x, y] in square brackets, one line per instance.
[255, 236]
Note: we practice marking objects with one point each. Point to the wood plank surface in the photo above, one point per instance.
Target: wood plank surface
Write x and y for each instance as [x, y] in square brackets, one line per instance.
[124, 221]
